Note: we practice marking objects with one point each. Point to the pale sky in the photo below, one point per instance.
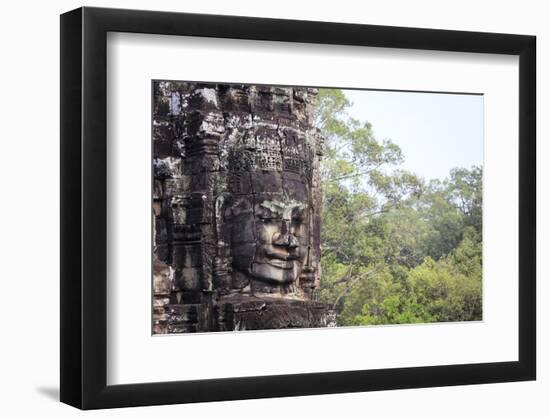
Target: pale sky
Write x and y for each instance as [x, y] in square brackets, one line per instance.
[436, 132]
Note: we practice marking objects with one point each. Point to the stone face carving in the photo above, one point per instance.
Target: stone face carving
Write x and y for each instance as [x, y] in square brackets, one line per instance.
[236, 204]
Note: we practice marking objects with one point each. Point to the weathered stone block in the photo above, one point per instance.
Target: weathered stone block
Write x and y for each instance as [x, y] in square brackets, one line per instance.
[168, 167]
[176, 186]
[239, 183]
[205, 98]
[253, 313]
[187, 256]
[162, 278]
[267, 182]
[189, 278]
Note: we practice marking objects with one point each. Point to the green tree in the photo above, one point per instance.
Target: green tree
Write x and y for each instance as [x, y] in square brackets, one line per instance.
[394, 249]
[360, 183]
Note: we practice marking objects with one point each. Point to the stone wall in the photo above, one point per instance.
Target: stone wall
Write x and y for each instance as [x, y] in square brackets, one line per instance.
[221, 153]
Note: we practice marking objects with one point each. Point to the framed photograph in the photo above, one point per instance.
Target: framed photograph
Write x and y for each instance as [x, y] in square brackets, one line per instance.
[258, 208]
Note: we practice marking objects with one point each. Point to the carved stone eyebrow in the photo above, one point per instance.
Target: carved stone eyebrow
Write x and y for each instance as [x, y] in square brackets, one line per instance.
[264, 212]
[298, 212]
[281, 208]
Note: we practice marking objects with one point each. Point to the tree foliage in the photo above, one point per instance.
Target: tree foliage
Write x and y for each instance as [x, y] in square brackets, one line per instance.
[395, 248]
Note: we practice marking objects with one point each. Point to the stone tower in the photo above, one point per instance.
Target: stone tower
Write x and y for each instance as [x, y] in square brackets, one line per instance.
[236, 203]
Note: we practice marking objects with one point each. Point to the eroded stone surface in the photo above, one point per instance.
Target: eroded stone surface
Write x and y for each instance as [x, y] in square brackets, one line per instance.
[236, 201]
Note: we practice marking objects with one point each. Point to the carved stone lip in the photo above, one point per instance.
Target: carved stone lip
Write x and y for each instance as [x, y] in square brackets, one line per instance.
[282, 264]
[279, 263]
[281, 254]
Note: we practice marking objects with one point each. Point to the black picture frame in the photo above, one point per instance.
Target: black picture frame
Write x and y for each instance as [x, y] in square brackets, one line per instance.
[84, 207]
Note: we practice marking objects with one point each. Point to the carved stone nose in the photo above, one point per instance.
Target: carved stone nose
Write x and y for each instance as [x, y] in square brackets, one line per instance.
[284, 238]
[292, 241]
